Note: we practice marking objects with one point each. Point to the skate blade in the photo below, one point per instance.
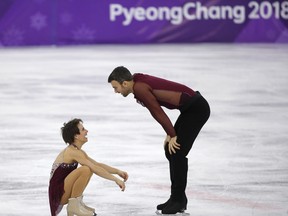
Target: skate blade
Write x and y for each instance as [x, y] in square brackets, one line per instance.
[177, 214]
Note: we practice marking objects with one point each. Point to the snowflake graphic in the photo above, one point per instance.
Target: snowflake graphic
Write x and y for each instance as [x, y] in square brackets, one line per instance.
[83, 34]
[13, 37]
[38, 21]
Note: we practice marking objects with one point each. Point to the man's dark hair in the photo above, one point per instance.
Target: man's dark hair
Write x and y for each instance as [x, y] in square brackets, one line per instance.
[120, 74]
[70, 129]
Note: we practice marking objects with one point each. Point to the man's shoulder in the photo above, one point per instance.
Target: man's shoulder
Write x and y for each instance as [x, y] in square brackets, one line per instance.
[141, 86]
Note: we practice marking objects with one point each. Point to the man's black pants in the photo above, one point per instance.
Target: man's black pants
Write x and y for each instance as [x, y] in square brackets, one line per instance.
[193, 116]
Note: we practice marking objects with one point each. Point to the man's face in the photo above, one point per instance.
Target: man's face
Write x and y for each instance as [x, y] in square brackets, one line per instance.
[120, 88]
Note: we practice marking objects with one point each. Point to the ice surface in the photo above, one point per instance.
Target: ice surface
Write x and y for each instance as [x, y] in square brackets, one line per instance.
[238, 164]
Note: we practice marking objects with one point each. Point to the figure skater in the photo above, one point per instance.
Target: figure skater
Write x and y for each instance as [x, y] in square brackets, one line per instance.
[68, 181]
[153, 93]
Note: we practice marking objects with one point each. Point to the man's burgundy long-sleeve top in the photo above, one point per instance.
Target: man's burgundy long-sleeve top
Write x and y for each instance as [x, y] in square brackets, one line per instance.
[153, 92]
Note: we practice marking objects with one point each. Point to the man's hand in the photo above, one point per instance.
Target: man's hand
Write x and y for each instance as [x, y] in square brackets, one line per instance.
[167, 140]
[173, 145]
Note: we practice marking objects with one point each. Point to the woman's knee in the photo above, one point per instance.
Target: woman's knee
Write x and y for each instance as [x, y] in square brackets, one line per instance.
[85, 171]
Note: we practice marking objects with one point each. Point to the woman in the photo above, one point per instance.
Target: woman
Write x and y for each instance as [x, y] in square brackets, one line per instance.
[68, 181]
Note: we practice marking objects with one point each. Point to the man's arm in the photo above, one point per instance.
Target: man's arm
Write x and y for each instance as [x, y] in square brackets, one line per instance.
[143, 93]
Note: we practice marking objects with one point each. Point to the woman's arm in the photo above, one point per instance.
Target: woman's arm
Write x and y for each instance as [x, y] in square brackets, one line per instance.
[81, 157]
[111, 170]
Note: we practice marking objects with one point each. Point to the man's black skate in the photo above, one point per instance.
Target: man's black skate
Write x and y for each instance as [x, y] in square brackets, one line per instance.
[182, 213]
[174, 207]
[163, 205]
[169, 201]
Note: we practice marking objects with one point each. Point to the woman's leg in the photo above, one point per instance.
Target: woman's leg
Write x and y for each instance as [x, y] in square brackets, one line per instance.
[75, 183]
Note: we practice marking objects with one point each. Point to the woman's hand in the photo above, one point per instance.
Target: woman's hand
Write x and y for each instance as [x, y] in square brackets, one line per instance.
[120, 183]
[173, 145]
[123, 175]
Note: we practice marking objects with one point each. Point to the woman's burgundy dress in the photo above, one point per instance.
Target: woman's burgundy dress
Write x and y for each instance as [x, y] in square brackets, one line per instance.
[56, 185]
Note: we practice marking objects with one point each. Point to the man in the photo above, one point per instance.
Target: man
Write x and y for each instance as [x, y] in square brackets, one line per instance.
[153, 92]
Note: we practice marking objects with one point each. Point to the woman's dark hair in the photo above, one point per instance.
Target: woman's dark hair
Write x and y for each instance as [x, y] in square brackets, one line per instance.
[70, 129]
[120, 74]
